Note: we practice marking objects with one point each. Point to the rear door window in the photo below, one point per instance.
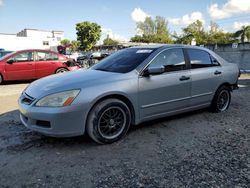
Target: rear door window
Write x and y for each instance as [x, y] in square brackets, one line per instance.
[46, 56]
[41, 56]
[51, 56]
[200, 59]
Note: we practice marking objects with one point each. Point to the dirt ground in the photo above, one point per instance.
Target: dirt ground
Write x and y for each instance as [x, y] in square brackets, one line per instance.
[9, 94]
[197, 149]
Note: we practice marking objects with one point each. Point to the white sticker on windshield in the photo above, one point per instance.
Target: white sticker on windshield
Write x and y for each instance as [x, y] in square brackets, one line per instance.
[143, 51]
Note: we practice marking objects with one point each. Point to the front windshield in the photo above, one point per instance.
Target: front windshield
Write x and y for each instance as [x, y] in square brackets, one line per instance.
[6, 55]
[124, 61]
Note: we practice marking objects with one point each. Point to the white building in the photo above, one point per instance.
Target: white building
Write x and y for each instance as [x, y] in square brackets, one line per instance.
[30, 39]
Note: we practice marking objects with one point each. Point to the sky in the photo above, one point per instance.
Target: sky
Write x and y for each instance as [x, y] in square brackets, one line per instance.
[118, 18]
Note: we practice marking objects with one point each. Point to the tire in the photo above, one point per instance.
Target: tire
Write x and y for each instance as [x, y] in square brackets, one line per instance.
[1, 79]
[61, 70]
[221, 100]
[108, 121]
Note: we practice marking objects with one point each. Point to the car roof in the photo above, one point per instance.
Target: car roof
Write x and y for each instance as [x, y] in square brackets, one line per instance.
[42, 50]
[151, 46]
[156, 46]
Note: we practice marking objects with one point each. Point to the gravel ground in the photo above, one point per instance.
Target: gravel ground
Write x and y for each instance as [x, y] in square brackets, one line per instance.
[198, 149]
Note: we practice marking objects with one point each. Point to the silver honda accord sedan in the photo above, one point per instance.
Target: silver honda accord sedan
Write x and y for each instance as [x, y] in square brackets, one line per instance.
[129, 87]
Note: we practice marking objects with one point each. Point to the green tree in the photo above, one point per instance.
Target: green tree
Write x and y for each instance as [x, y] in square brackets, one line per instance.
[216, 36]
[153, 31]
[109, 41]
[220, 38]
[183, 39]
[147, 27]
[136, 38]
[243, 33]
[214, 27]
[88, 34]
[161, 26]
[194, 30]
[65, 42]
[74, 45]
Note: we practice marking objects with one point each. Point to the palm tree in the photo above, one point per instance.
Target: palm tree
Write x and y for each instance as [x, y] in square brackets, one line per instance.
[243, 33]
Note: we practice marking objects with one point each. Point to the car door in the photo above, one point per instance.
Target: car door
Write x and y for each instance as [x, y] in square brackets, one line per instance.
[20, 66]
[167, 92]
[206, 74]
[45, 63]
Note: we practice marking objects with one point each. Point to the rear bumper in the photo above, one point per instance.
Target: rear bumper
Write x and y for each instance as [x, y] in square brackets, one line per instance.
[73, 68]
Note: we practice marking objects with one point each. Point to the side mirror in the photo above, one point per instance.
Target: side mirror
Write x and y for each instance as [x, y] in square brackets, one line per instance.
[154, 70]
[10, 61]
[215, 61]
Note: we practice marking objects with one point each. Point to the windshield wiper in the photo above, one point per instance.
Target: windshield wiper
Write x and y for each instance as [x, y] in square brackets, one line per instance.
[102, 69]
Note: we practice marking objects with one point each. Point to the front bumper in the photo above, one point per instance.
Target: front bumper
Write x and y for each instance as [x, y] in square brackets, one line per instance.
[57, 122]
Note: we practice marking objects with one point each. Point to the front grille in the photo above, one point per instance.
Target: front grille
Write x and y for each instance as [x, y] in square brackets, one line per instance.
[26, 99]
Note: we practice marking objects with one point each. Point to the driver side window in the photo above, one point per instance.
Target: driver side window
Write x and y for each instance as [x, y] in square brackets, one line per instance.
[171, 59]
[23, 57]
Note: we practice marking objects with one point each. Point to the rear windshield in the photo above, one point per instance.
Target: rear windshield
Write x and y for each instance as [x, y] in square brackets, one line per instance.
[124, 61]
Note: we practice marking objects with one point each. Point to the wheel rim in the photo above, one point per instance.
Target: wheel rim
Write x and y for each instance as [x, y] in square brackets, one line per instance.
[112, 122]
[223, 100]
[1, 79]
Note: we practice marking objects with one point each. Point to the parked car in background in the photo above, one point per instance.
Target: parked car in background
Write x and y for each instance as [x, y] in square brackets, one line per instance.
[65, 50]
[3, 53]
[33, 64]
[90, 59]
[72, 55]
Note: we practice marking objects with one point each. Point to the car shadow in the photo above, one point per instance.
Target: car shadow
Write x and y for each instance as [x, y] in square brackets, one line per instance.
[165, 120]
[15, 137]
[17, 82]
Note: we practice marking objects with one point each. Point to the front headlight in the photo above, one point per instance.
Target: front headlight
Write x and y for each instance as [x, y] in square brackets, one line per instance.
[58, 99]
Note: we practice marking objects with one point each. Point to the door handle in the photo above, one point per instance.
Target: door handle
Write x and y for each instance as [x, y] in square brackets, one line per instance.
[29, 63]
[184, 78]
[217, 72]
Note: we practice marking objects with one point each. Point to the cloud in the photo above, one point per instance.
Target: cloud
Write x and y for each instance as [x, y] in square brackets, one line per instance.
[187, 19]
[228, 9]
[1, 2]
[238, 25]
[139, 32]
[138, 15]
[217, 13]
[112, 35]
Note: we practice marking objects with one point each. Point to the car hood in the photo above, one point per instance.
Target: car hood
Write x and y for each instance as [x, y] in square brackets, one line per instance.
[69, 80]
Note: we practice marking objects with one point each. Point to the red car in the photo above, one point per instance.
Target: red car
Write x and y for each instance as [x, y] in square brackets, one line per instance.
[33, 64]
